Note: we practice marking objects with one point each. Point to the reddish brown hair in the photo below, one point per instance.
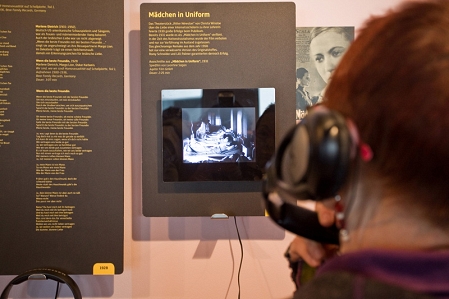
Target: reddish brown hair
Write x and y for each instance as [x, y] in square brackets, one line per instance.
[393, 82]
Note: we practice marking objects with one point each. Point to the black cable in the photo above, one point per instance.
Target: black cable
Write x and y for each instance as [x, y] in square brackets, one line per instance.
[57, 290]
[233, 268]
[241, 251]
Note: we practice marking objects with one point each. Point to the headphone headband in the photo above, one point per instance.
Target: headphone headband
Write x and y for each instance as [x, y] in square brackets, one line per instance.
[43, 274]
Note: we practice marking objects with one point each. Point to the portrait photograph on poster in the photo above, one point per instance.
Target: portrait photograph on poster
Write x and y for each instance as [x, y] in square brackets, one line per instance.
[318, 52]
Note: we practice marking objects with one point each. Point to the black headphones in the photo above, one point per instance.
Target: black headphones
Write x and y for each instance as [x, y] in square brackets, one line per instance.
[313, 160]
[43, 274]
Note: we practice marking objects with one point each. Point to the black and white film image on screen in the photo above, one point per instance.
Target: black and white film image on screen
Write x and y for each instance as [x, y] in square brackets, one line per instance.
[219, 135]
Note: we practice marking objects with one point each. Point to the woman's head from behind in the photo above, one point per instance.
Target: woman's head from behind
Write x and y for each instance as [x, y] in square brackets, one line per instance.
[393, 83]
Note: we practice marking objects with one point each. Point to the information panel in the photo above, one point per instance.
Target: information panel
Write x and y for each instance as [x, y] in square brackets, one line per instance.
[61, 136]
[217, 94]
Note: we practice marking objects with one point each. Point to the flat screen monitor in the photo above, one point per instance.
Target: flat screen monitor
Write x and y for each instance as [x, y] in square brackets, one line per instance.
[213, 134]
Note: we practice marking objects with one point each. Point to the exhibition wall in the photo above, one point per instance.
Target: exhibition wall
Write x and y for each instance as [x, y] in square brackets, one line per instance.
[192, 257]
[61, 136]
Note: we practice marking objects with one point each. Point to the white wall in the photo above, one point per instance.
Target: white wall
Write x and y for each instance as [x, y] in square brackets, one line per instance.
[171, 258]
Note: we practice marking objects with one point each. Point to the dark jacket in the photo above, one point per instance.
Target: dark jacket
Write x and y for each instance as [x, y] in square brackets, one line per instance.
[381, 274]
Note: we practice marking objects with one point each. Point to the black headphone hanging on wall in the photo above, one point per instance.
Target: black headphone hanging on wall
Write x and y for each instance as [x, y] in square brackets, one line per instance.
[43, 274]
[312, 162]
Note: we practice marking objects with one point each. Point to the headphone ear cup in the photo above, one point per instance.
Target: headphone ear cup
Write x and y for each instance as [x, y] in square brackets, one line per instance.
[295, 161]
[330, 150]
[282, 171]
[313, 159]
